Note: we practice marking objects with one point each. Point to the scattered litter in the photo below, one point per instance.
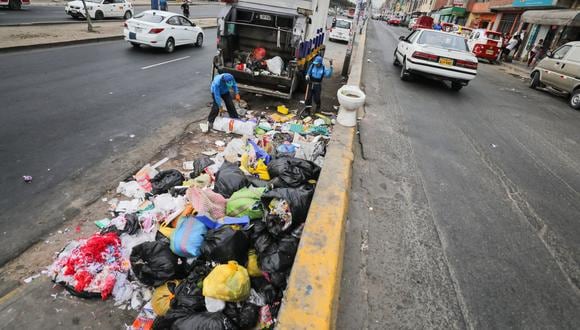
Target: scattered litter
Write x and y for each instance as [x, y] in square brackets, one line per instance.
[161, 162]
[370, 208]
[132, 136]
[27, 178]
[210, 152]
[29, 279]
[220, 143]
[493, 145]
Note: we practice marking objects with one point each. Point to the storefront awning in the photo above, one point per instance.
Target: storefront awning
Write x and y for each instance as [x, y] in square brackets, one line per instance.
[568, 17]
[456, 11]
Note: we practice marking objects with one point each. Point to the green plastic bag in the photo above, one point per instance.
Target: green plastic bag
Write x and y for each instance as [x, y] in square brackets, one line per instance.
[246, 201]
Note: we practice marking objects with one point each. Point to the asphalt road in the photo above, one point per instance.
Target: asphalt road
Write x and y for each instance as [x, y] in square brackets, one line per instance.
[72, 108]
[40, 14]
[464, 205]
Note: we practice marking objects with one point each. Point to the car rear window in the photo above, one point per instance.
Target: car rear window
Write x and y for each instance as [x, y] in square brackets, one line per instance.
[443, 40]
[493, 36]
[343, 24]
[148, 17]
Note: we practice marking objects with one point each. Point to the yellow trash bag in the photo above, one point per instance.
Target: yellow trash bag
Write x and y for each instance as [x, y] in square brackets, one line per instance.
[253, 268]
[162, 297]
[229, 282]
[261, 169]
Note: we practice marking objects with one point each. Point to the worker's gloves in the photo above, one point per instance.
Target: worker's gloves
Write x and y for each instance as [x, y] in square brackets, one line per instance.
[238, 97]
[307, 78]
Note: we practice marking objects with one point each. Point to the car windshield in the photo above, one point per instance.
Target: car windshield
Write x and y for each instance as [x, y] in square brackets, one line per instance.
[149, 17]
[343, 24]
[443, 40]
[493, 36]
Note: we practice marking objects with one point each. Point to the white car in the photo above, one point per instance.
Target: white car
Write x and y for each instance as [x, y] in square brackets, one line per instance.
[340, 30]
[99, 9]
[163, 29]
[438, 55]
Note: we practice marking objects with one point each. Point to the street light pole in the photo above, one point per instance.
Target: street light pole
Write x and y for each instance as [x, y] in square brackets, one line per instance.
[90, 25]
[353, 31]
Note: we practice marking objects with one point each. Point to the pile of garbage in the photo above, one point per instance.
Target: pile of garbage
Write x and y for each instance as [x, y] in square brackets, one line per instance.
[209, 246]
[255, 63]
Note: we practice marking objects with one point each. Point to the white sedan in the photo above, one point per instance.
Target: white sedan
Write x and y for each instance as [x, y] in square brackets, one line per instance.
[438, 55]
[99, 9]
[162, 29]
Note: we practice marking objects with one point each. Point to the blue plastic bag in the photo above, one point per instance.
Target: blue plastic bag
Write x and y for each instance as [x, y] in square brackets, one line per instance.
[187, 237]
[260, 153]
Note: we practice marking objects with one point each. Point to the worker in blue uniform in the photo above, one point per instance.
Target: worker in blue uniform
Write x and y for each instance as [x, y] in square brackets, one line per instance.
[220, 89]
[314, 75]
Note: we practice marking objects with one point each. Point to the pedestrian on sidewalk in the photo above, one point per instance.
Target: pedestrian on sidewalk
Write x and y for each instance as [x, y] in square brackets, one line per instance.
[163, 5]
[185, 8]
[512, 44]
[220, 89]
[535, 51]
[314, 75]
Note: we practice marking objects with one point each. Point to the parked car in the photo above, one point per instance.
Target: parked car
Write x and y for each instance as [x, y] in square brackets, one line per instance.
[14, 4]
[485, 44]
[99, 9]
[340, 30]
[436, 54]
[394, 20]
[162, 29]
[423, 22]
[560, 70]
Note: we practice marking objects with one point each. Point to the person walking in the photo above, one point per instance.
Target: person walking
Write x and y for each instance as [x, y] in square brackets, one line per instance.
[535, 51]
[220, 89]
[511, 46]
[185, 8]
[163, 5]
[314, 75]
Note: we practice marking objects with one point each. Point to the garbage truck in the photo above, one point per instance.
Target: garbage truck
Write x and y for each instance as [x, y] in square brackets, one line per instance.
[267, 45]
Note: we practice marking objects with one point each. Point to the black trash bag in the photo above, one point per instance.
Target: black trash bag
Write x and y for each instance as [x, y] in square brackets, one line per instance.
[131, 226]
[229, 179]
[244, 315]
[260, 236]
[292, 172]
[279, 256]
[162, 238]
[199, 165]
[279, 279]
[299, 200]
[204, 321]
[154, 264]
[224, 244]
[266, 290]
[256, 182]
[188, 297]
[164, 180]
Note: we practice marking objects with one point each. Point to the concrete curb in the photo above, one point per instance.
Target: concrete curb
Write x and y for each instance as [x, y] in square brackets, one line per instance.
[516, 69]
[73, 42]
[311, 300]
[45, 23]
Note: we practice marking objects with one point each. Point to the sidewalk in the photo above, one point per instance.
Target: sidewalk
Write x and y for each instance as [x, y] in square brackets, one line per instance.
[31, 36]
[518, 68]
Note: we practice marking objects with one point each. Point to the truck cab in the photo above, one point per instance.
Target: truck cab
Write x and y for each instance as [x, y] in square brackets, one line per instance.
[291, 33]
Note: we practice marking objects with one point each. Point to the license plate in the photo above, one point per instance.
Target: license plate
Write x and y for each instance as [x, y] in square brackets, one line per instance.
[489, 52]
[445, 61]
[132, 35]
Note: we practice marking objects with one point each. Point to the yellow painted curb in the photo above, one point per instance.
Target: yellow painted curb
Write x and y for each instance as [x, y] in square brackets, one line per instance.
[311, 299]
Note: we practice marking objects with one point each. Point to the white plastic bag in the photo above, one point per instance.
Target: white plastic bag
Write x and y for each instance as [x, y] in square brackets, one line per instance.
[131, 189]
[230, 125]
[275, 65]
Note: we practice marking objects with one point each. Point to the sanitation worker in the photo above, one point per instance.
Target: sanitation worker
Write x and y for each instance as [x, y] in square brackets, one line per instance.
[220, 89]
[314, 75]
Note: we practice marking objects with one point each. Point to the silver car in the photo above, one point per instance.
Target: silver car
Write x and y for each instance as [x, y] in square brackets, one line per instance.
[560, 70]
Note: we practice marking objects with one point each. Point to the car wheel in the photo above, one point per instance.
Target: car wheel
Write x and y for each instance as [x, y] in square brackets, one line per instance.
[128, 15]
[135, 45]
[456, 86]
[199, 40]
[99, 15]
[170, 45]
[575, 99]
[405, 74]
[535, 80]
[395, 59]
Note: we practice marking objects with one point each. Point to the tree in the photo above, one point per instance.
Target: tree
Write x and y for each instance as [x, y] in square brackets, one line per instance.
[90, 25]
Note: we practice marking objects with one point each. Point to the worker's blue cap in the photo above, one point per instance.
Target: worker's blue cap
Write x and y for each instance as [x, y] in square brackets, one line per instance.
[229, 79]
[318, 60]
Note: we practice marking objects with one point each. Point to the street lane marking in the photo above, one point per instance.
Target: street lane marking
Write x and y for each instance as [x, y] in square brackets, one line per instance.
[166, 62]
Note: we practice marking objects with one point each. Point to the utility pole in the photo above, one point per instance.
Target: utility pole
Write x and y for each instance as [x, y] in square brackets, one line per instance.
[353, 32]
[90, 25]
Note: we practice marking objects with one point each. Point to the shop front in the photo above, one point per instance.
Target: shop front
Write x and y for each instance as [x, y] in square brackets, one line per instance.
[456, 15]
